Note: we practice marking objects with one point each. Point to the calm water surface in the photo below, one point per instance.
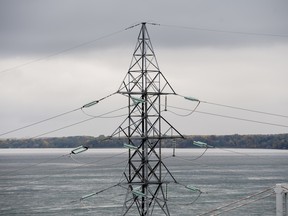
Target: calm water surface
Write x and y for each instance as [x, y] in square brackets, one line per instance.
[48, 182]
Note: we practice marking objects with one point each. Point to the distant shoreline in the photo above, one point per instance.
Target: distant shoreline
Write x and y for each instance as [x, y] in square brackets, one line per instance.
[269, 141]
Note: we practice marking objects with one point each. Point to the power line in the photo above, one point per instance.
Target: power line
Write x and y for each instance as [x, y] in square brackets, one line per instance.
[75, 151]
[59, 115]
[33, 165]
[243, 119]
[241, 205]
[190, 112]
[213, 212]
[232, 117]
[73, 168]
[105, 189]
[245, 109]
[189, 160]
[184, 115]
[103, 116]
[98, 192]
[66, 50]
[39, 122]
[116, 116]
[79, 122]
[232, 107]
[222, 31]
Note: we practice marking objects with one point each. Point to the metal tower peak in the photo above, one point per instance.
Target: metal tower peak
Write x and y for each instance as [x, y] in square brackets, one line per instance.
[144, 73]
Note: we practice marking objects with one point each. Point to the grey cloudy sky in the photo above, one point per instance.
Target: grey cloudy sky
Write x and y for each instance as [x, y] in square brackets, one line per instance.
[206, 49]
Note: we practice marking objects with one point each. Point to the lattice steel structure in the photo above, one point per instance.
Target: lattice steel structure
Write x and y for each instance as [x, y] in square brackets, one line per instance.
[145, 129]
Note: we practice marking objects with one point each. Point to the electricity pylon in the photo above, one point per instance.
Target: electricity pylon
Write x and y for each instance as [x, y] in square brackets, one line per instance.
[145, 129]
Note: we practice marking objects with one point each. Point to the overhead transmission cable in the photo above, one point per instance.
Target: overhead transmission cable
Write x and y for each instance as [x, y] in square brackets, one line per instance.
[243, 119]
[232, 107]
[33, 165]
[59, 115]
[198, 144]
[105, 189]
[226, 116]
[188, 114]
[93, 163]
[130, 27]
[244, 204]
[98, 192]
[216, 210]
[230, 206]
[117, 184]
[80, 122]
[245, 109]
[235, 204]
[191, 188]
[67, 50]
[232, 117]
[39, 122]
[206, 146]
[104, 115]
[219, 30]
[75, 151]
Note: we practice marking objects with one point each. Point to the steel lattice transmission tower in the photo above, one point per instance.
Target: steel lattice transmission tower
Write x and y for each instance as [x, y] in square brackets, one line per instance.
[145, 129]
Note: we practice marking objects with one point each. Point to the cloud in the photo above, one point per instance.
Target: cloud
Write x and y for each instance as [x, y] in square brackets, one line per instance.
[243, 70]
[48, 26]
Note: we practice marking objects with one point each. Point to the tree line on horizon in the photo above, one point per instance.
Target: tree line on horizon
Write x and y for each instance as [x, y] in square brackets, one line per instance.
[269, 141]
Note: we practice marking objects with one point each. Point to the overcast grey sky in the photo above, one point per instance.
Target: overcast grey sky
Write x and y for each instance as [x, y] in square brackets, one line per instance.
[226, 52]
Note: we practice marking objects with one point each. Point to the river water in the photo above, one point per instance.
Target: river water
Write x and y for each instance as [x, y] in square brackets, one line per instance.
[49, 182]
